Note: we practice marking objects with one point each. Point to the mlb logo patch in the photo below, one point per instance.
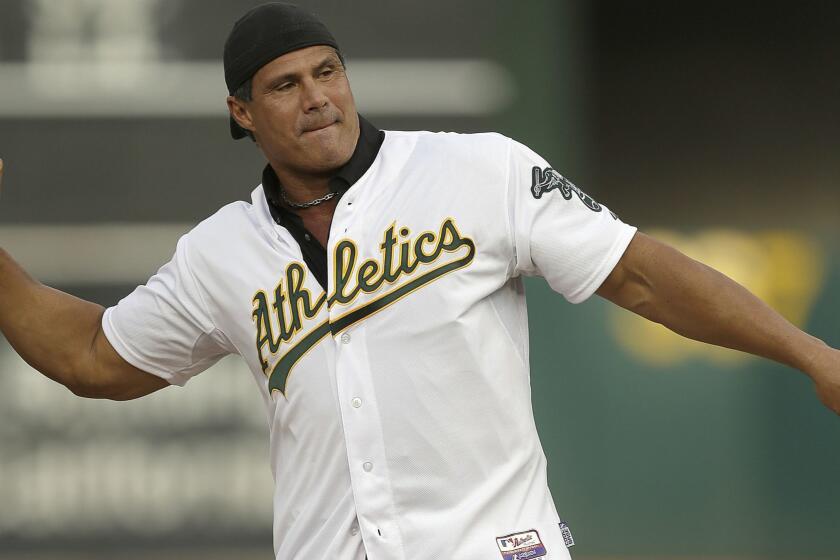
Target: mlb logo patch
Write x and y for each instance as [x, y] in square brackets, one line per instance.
[521, 546]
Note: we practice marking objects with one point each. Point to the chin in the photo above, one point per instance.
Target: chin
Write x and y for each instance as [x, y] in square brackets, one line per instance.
[332, 160]
[331, 154]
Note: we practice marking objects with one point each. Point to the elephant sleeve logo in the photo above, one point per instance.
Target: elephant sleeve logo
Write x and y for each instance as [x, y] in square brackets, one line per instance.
[548, 179]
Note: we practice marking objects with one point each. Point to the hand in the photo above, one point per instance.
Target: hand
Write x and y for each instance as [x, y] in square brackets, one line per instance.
[825, 372]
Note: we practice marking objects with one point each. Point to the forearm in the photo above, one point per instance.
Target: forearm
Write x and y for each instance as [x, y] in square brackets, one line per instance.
[700, 303]
[51, 330]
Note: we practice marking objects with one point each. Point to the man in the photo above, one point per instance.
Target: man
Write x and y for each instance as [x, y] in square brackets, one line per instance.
[373, 286]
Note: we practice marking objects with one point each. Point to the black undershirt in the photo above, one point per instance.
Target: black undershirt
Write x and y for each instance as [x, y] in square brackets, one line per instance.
[314, 254]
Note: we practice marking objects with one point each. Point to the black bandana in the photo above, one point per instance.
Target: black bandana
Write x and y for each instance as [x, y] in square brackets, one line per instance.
[263, 34]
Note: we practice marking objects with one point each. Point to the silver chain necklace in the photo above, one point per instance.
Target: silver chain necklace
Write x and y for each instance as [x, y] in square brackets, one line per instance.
[309, 204]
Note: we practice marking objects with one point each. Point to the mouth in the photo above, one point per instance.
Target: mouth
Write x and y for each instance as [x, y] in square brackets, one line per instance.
[322, 127]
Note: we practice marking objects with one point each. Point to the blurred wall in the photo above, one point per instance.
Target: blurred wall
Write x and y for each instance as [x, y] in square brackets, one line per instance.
[710, 125]
[713, 126]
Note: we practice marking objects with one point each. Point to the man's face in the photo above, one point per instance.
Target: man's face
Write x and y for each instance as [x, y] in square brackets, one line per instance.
[302, 111]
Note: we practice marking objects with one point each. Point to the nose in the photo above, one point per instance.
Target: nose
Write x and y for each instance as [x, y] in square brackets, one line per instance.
[314, 97]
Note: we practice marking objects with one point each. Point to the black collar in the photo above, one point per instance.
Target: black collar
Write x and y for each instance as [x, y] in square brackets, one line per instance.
[314, 255]
[367, 148]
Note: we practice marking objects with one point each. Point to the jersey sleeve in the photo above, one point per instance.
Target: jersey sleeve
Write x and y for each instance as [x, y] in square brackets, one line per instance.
[163, 327]
[559, 232]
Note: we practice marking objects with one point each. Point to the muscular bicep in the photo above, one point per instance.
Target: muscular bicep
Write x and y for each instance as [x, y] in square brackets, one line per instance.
[629, 284]
[116, 378]
[654, 280]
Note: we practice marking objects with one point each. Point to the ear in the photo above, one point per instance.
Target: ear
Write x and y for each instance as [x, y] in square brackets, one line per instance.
[239, 111]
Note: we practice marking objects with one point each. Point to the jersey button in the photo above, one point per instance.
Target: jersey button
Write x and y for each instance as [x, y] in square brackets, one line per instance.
[356, 402]
[354, 530]
[345, 338]
[368, 466]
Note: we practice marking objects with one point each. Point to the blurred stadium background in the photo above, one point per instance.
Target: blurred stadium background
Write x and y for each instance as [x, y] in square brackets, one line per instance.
[713, 125]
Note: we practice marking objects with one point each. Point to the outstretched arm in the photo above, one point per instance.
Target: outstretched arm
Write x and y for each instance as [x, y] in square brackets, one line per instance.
[659, 283]
[61, 336]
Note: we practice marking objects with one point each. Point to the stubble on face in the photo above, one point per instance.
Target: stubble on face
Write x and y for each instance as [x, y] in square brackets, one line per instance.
[303, 111]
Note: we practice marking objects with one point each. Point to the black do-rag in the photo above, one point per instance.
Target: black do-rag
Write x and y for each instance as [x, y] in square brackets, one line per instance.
[263, 34]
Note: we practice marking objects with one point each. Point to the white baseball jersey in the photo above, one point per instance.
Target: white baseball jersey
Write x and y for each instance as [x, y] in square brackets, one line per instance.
[399, 396]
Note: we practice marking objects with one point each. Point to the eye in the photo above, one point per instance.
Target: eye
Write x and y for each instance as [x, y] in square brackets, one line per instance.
[284, 87]
[327, 72]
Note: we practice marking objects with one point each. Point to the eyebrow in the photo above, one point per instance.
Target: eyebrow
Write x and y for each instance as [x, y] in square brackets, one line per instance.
[291, 76]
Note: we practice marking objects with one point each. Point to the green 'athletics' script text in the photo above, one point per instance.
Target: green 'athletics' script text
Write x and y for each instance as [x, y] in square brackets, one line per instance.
[278, 323]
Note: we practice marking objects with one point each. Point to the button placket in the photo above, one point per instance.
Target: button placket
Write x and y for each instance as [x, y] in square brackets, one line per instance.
[360, 418]
[363, 439]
